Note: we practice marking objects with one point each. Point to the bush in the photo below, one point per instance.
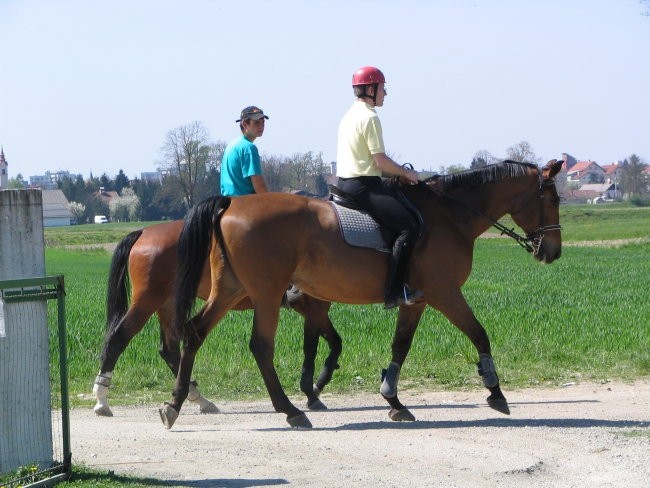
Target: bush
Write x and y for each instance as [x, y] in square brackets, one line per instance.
[640, 201]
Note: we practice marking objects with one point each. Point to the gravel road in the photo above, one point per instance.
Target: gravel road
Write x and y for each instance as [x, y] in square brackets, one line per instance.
[580, 435]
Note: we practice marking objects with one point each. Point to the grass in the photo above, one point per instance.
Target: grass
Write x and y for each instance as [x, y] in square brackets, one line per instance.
[87, 234]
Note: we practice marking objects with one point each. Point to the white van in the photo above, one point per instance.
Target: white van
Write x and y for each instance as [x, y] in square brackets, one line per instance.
[101, 219]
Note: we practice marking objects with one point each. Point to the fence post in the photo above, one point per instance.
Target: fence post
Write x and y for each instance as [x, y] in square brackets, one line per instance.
[25, 393]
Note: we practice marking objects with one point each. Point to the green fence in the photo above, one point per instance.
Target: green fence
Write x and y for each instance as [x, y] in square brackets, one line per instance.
[35, 445]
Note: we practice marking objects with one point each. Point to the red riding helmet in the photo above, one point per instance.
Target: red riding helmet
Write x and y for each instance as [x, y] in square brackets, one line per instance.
[368, 75]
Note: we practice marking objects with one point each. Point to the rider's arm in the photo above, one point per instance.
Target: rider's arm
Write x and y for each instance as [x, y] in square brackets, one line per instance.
[259, 184]
[390, 167]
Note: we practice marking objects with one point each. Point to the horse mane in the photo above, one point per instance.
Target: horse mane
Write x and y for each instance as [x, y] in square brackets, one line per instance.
[480, 176]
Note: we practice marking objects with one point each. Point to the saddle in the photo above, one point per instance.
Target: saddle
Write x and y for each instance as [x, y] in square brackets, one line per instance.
[359, 228]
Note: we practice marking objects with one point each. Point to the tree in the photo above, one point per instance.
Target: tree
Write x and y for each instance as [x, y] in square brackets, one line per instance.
[185, 156]
[168, 200]
[481, 158]
[106, 183]
[146, 192]
[632, 175]
[522, 152]
[17, 183]
[78, 210]
[452, 168]
[125, 208]
[121, 181]
[272, 169]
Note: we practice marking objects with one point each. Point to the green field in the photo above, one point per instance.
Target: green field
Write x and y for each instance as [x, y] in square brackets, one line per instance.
[583, 317]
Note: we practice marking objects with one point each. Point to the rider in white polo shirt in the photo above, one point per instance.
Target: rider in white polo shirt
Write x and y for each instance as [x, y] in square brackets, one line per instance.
[361, 161]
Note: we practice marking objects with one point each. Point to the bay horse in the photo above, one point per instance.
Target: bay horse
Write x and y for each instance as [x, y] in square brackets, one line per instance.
[259, 243]
[147, 259]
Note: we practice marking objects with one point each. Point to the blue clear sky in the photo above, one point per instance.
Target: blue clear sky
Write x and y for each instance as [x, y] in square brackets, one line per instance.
[95, 86]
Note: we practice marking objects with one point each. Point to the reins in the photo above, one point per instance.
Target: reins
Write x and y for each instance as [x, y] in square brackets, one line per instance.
[530, 242]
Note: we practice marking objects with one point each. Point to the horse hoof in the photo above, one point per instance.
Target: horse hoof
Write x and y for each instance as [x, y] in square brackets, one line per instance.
[168, 415]
[209, 408]
[103, 411]
[316, 405]
[402, 415]
[299, 420]
[499, 404]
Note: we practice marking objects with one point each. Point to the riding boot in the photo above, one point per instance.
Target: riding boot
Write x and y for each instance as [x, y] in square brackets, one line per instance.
[397, 291]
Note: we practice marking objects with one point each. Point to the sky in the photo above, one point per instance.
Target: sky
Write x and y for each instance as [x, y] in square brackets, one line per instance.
[94, 87]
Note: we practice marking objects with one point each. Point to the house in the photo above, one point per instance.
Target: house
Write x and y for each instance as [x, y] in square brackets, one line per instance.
[591, 191]
[107, 196]
[586, 172]
[55, 209]
[613, 172]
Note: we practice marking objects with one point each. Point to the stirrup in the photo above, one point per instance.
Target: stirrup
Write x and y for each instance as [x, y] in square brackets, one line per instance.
[406, 296]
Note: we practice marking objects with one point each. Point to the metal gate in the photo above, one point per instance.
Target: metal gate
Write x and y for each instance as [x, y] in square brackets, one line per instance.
[35, 435]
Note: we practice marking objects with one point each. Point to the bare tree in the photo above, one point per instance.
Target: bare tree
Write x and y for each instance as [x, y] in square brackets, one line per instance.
[482, 158]
[647, 6]
[522, 152]
[185, 156]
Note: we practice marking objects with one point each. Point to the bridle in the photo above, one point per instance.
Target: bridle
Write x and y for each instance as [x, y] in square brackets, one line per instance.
[532, 241]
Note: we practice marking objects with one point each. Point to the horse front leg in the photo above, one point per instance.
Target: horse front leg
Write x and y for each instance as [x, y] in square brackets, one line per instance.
[262, 345]
[317, 324]
[456, 309]
[407, 322]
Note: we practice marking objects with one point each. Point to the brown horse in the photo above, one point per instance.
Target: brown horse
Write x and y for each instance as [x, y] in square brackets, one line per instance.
[260, 243]
[149, 256]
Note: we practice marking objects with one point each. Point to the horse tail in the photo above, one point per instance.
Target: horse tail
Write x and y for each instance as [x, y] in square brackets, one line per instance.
[117, 299]
[194, 246]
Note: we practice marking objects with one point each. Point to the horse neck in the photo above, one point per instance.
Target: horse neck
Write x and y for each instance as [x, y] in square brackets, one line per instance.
[474, 210]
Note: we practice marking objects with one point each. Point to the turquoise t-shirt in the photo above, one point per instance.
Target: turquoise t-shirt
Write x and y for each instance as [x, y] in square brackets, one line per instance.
[240, 161]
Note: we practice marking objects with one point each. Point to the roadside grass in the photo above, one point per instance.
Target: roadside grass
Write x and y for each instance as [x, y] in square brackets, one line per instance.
[85, 477]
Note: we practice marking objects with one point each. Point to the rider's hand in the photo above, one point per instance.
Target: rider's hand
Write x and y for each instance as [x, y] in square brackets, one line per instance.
[409, 176]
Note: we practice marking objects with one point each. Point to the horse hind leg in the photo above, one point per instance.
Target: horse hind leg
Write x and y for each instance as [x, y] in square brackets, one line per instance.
[171, 353]
[115, 343]
[100, 392]
[262, 345]
[317, 324]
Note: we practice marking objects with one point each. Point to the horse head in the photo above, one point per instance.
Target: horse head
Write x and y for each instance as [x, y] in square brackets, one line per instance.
[540, 216]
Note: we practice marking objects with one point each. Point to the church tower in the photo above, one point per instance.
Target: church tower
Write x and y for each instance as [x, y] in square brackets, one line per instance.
[4, 172]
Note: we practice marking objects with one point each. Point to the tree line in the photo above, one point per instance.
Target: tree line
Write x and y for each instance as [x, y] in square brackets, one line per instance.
[190, 168]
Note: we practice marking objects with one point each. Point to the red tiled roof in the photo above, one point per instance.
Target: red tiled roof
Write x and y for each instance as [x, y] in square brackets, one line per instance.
[582, 165]
[610, 168]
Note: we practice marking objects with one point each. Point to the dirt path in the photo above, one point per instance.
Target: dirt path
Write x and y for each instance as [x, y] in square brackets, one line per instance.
[586, 435]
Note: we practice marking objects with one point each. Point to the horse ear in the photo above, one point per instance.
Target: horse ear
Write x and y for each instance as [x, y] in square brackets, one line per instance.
[552, 168]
